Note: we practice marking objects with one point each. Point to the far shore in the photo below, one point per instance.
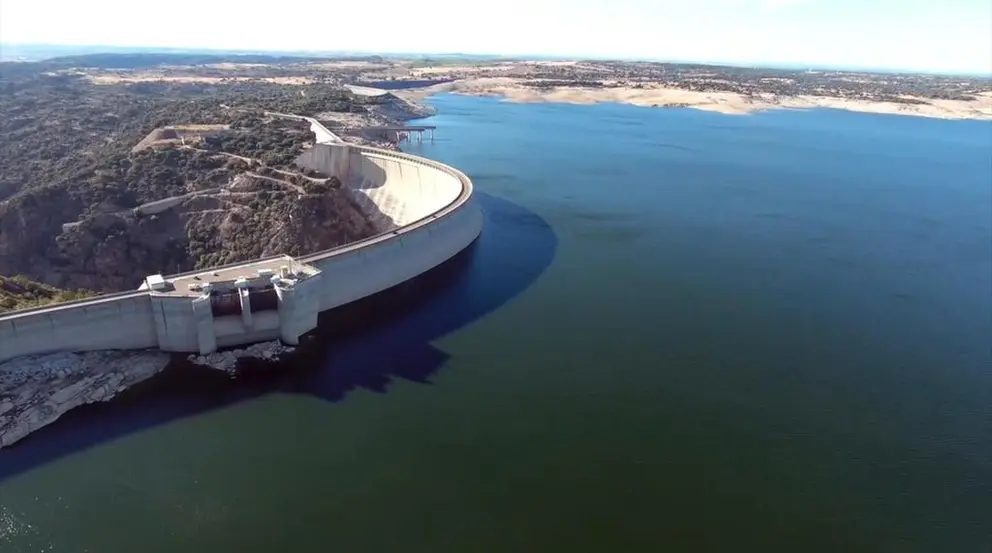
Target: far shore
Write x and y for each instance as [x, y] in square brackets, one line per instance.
[517, 90]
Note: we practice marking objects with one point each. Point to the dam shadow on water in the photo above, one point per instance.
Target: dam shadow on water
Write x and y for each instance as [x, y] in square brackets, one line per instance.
[367, 344]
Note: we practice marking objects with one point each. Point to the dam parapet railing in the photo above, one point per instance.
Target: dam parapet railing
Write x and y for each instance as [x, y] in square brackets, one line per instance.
[16, 326]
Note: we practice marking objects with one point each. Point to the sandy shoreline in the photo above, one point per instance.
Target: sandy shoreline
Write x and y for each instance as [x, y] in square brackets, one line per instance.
[515, 90]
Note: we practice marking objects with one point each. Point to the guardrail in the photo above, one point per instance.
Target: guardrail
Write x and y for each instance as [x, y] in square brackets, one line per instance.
[465, 194]
[102, 298]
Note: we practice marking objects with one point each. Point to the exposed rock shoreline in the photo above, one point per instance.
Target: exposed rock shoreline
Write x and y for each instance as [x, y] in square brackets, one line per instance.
[521, 90]
[228, 360]
[35, 391]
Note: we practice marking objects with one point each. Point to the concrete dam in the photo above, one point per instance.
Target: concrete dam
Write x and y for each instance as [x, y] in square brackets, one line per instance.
[425, 214]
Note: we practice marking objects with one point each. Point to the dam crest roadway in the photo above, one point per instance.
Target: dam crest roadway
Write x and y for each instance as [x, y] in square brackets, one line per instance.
[424, 213]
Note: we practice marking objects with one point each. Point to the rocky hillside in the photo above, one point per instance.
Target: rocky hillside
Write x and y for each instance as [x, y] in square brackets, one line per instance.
[103, 184]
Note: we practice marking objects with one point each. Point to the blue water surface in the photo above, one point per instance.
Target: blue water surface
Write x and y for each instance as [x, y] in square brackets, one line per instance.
[679, 331]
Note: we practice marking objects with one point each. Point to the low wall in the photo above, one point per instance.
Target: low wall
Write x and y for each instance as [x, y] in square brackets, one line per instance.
[428, 212]
[377, 267]
[114, 323]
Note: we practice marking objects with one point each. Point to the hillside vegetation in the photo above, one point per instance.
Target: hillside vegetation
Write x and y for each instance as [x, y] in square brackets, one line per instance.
[19, 292]
[75, 177]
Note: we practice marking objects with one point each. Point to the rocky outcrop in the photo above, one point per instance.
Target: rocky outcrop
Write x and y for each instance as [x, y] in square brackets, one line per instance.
[29, 224]
[110, 252]
[228, 360]
[37, 390]
[402, 109]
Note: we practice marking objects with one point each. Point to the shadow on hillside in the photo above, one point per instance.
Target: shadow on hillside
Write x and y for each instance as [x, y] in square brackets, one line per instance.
[367, 344]
[321, 158]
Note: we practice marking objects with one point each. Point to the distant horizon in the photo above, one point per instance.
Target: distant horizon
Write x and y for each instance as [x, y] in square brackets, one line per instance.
[952, 37]
[84, 49]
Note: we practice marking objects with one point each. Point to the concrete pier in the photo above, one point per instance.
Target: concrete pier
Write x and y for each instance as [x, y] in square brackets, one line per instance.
[403, 131]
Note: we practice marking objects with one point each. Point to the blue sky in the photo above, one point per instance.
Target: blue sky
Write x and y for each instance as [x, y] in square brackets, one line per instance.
[927, 35]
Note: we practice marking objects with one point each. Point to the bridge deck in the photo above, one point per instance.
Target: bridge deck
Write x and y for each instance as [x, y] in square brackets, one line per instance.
[414, 128]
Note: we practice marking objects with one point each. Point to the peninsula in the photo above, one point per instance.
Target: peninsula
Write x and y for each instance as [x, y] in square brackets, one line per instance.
[731, 90]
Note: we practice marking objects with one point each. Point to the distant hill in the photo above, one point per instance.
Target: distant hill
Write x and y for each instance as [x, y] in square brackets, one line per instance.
[106, 60]
[135, 58]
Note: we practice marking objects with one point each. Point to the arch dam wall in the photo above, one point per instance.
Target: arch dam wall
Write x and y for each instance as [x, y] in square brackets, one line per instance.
[425, 213]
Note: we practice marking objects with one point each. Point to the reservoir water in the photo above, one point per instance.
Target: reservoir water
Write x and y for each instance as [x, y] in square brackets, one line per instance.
[680, 331]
